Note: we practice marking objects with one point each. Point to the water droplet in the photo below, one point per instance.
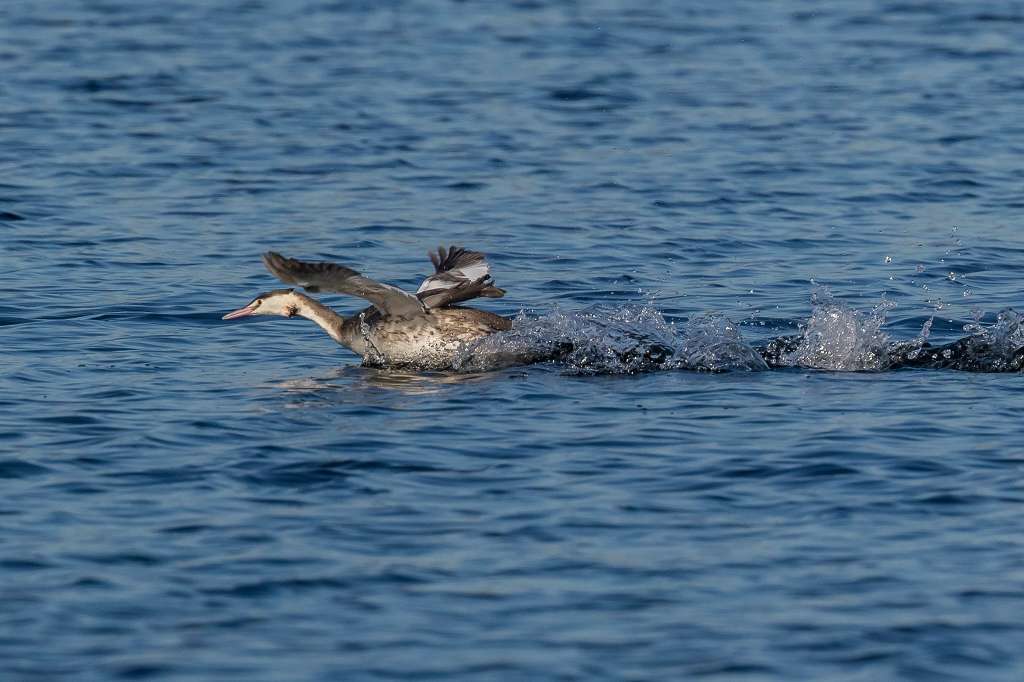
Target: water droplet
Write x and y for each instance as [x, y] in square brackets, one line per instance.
[888, 259]
[926, 329]
[920, 268]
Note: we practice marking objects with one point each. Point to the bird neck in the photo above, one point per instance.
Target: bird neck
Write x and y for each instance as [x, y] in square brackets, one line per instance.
[325, 318]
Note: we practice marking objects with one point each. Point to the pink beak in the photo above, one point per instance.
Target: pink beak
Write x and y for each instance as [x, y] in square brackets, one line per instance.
[241, 312]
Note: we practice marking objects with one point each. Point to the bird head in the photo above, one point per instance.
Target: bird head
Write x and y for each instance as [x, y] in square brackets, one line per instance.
[283, 302]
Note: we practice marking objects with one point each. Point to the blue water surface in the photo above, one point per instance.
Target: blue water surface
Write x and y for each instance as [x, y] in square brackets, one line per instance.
[183, 498]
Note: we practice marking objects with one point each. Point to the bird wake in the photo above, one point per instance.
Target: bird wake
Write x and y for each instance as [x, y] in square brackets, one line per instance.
[637, 338]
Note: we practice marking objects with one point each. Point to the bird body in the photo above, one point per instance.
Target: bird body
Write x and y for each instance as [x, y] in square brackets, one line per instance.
[428, 341]
[422, 330]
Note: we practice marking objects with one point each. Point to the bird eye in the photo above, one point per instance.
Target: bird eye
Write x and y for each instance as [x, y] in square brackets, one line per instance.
[258, 302]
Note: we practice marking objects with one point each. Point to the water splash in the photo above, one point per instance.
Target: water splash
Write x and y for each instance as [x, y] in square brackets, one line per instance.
[994, 348]
[373, 357]
[840, 338]
[614, 340]
[637, 338]
[713, 343]
[1006, 335]
[911, 350]
[926, 329]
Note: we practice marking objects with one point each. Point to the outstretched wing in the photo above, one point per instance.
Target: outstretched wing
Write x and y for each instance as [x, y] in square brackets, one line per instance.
[334, 278]
[459, 275]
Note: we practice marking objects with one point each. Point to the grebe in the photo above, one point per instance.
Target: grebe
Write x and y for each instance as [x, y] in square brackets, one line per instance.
[424, 330]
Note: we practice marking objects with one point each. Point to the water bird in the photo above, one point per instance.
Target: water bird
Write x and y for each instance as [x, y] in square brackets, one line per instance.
[426, 330]
[421, 330]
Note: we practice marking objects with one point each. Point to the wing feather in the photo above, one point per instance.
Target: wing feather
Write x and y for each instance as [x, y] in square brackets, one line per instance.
[334, 278]
[459, 275]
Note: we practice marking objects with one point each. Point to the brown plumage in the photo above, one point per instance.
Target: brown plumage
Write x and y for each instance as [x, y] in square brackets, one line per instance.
[422, 330]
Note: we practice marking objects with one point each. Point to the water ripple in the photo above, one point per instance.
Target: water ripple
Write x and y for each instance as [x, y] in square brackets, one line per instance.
[658, 187]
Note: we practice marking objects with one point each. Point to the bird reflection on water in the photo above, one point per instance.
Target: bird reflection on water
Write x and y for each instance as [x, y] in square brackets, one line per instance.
[368, 385]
